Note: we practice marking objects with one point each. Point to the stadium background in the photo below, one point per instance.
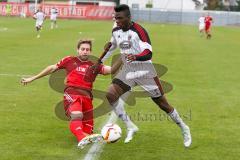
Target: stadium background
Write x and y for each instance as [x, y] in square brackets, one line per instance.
[204, 75]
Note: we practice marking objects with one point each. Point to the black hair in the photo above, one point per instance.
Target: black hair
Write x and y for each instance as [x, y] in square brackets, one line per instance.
[124, 8]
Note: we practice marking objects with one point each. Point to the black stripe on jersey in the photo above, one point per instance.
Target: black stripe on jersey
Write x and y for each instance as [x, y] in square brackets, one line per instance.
[144, 56]
[142, 33]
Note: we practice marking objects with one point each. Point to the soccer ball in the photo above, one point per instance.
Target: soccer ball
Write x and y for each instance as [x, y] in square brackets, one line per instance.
[111, 133]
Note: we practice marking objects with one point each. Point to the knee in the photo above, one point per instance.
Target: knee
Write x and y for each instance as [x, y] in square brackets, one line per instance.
[111, 98]
[76, 115]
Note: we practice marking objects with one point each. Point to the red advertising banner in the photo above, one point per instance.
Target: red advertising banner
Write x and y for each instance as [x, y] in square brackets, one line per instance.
[13, 9]
[64, 11]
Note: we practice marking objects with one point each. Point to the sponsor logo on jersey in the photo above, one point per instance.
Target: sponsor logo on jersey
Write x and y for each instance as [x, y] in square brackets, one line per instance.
[125, 45]
[81, 69]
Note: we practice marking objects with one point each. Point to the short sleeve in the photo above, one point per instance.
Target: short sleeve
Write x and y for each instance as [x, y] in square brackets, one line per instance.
[62, 63]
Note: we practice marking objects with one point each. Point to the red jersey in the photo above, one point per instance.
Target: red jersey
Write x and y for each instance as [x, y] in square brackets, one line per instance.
[208, 20]
[76, 72]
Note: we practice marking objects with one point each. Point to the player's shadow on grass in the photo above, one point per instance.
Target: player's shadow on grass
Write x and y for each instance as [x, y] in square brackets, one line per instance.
[56, 82]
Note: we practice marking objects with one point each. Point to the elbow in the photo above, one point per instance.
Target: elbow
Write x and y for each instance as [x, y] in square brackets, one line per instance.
[52, 68]
[145, 57]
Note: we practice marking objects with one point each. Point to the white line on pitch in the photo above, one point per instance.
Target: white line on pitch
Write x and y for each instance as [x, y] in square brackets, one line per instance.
[95, 151]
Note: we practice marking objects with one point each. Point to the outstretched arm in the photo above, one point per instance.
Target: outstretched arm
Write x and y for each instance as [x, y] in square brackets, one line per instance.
[48, 70]
[110, 50]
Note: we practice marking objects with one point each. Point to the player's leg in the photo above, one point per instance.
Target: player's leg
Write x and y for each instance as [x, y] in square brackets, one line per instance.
[209, 35]
[76, 116]
[38, 31]
[38, 28]
[201, 30]
[155, 89]
[87, 109]
[172, 112]
[88, 123]
[115, 91]
[55, 23]
[52, 24]
[119, 86]
[73, 108]
[207, 31]
[120, 111]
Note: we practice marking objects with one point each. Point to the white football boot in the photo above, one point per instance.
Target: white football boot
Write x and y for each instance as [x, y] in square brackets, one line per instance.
[93, 138]
[130, 133]
[187, 139]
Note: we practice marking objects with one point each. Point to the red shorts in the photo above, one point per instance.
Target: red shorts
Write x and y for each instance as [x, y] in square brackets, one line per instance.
[207, 27]
[73, 101]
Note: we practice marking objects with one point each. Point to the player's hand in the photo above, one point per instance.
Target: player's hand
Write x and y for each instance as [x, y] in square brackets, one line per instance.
[25, 81]
[130, 57]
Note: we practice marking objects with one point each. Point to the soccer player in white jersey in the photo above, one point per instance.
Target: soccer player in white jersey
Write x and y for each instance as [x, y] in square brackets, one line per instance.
[53, 17]
[136, 52]
[201, 26]
[39, 16]
[119, 107]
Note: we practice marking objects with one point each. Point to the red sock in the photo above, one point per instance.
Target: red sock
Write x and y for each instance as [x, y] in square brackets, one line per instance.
[76, 128]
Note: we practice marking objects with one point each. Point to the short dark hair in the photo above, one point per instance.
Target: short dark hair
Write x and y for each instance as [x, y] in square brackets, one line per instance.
[123, 7]
[84, 41]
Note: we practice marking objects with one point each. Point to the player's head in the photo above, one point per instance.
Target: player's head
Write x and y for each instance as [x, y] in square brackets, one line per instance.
[84, 48]
[122, 16]
[39, 9]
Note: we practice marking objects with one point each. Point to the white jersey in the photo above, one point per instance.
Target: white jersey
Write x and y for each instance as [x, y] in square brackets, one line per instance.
[201, 21]
[134, 41]
[140, 72]
[54, 14]
[40, 16]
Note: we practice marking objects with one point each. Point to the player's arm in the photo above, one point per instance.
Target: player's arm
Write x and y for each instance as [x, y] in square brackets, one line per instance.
[112, 69]
[111, 50]
[34, 16]
[116, 65]
[143, 56]
[145, 45]
[48, 70]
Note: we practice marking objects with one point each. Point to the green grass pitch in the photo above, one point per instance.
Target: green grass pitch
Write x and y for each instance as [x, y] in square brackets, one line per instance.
[204, 74]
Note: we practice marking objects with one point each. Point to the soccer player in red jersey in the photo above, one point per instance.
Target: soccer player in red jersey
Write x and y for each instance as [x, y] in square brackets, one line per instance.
[208, 23]
[77, 94]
